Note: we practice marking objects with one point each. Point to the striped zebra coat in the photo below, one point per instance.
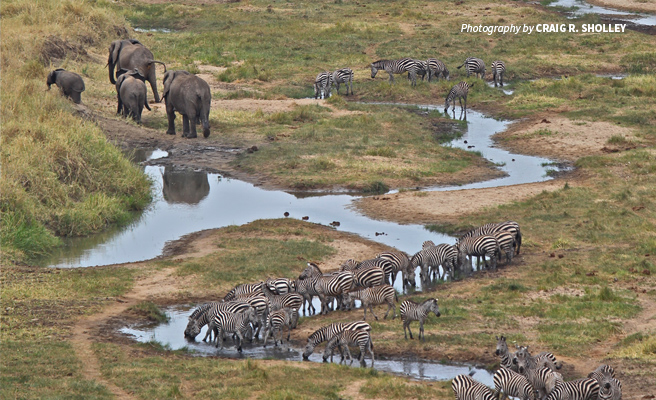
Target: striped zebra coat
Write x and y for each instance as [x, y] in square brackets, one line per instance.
[237, 323]
[246, 288]
[610, 389]
[602, 372]
[322, 84]
[506, 244]
[328, 286]
[374, 296]
[466, 388]
[369, 276]
[436, 68]
[345, 76]
[277, 302]
[474, 65]
[498, 69]
[411, 311]
[209, 311]
[458, 92]
[543, 379]
[386, 265]
[480, 246]
[430, 258]
[580, 389]
[305, 287]
[512, 384]
[400, 263]
[281, 285]
[346, 338]
[505, 354]
[396, 67]
[325, 333]
[493, 227]
[262, 306]
[277, 322]
[544, 359]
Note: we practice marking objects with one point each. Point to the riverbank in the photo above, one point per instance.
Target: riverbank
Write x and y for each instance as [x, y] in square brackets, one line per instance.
[627, 5]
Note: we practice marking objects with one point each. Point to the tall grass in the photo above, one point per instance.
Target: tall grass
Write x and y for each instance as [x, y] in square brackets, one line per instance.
[60, 176]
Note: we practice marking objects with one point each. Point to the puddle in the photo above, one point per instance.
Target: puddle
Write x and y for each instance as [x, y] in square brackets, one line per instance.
[153, 30]
[507, 92]
[171, 335]
[580, 8]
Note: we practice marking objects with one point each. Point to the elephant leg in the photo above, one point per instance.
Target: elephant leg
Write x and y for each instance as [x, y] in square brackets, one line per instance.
[193, 121]
[185, 126]
[171, 115]
[120, 105]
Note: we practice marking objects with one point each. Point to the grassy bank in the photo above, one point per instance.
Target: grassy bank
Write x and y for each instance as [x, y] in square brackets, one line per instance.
[60, 176]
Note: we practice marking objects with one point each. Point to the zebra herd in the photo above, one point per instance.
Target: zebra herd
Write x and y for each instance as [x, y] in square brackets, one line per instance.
[324, 82]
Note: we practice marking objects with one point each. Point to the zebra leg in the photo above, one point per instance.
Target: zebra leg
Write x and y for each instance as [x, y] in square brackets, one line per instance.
[241, 340]
[408, 325]
[219, 338]
[391, 78]
[501, 79]
[348, 354]
[371, 308]
[370, 347]
[421, 330]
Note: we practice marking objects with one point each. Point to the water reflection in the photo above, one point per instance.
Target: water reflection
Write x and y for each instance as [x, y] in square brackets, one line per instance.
[184, 186]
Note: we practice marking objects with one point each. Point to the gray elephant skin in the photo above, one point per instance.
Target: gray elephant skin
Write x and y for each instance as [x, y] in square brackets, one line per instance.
[70, 84]
[190, 96]
[184, 186]
[131, 54]
[131, 92]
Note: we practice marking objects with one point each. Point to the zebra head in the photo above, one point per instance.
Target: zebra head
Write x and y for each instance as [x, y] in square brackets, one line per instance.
[311, 270]
[374, 71]
[434, 308]
[502, 346]
[309, 349]
[192, 330]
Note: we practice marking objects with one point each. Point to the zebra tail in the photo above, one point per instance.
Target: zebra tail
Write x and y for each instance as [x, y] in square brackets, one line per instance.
[396, 296]
[460, 66]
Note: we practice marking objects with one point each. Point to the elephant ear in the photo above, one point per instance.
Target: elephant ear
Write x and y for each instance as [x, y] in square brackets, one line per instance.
[169, 76]
[135, 41]
[117, 45]
[52, 76]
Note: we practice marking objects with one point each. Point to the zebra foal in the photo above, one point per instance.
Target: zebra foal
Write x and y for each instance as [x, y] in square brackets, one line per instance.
[374, 296]
[346, 338]
[322, 84]
[411, 311]
[345, 76]
[277, 322]
[498, 69]
[237, 323]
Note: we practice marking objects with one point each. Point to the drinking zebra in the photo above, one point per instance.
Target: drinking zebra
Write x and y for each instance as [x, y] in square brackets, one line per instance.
[506, 244]
[505, 354]
[325, 333]
[322, 85]
[246, 288]
[512, 384]
[580, 389]
[237, 323]
[346, 338]
[488, 229]
[480, 246]
[374, 296]
[194, 326]
[437, 68]
[498, 69]
[262, 307]
[474, 65]
[277, 322]
[396, 67]
[466, 388]
[344, 75]
[458, 91]
[431, 258]
[411, 311]
[400, 263]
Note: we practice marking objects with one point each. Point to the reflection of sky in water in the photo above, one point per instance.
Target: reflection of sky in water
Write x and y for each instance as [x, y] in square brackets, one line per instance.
[171, 334]
[584, 7]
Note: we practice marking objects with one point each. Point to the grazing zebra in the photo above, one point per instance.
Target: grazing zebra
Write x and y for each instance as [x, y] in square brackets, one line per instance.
[400, 263]
[505, 354]
[580, 389]
[488, 229]
[432, 257]
[437, 68]
[194, 326]
[346, 338]
[411, 311]
[474, 65]
[458, 91]
[246, 288]
[281, 285]
[277, 322]
[369, 276]
[422, 69]
[610, 389]
[344, 75]
[237, 323]
[374, 296]
[481, 246]
[466, 388]
[498, 69]
[542, 378]
[276, 302]
[506, 243]
[383, 263]
[512, 384]
[325, 333]
[397, 67]
[322, 85]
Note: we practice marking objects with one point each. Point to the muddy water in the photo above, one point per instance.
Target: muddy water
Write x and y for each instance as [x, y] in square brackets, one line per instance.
[171, 335]
[580, 7]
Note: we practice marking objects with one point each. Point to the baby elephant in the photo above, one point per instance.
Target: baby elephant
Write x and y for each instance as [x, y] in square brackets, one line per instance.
[131, 93]
[70, 84]
[190, 96]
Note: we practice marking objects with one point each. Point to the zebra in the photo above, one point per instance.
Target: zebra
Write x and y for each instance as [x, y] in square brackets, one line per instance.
[506, 355]
[506, 243]
[396, 67]
[543, 378]
[281, 285]
[305, 287]
[466, 388]
[277, 321]
[322, 85]
[369, 276]
[373, 296]
[349, 265]
[246, 288]
[236, 323]
[276, 302]
[400, 263]
[204, 318]
[327, 286]
[344, 75]
[411, 311]
[602, 372]
[458, 91]
[488, 229]
[262, 306]
[610, 389]
[343, 339]
[436, 68]
[474, 65]
[580, 389]
[326, 332]
[383, 263]
[498, 69]
[422, 69]
[481, 246]
[544, 359]
[433, 257]
[512, 384]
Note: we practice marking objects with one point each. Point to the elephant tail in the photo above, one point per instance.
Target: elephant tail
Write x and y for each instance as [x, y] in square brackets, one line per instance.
[158, 62]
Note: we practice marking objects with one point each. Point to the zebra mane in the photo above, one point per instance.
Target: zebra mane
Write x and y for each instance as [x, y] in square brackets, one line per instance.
[377, 63]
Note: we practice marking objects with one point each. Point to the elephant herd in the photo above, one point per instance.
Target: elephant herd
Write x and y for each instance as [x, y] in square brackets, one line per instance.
[134, 64]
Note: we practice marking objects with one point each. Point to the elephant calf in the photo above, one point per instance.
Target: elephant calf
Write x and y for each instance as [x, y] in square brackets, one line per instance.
[70, 84]
[131, 93]
[190, 96]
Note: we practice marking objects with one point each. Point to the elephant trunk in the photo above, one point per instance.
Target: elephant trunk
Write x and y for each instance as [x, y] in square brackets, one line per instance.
[111, 70]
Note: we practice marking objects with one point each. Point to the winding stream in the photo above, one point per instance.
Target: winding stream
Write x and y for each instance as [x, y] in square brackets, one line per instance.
[581, 7]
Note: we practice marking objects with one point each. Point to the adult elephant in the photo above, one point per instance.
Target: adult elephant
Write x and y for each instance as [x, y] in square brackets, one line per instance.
[190, 96]
[70, 84]
[131, 94]
[130, 54]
